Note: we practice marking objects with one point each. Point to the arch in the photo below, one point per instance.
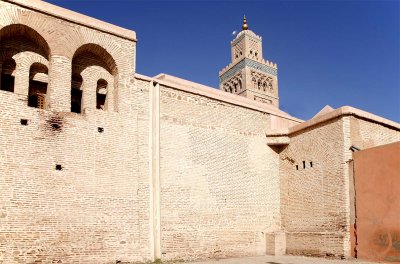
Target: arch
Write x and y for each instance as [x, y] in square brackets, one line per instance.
[101, 94]
[19, 37]
[24, 46]
[265, 86]
[93, 63]
[97, 56]
[76, 93]
[38, 80]
[27, 58]
[24, 77]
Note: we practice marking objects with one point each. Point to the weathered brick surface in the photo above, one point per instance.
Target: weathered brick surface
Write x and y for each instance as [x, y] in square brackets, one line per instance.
[96, 209]
[313, 213]
[364, 134]
[165, 168]
[219, 180]
[315, 200]
[58, 40]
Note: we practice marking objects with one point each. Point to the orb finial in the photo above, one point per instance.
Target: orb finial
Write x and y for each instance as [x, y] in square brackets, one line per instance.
[245, 26]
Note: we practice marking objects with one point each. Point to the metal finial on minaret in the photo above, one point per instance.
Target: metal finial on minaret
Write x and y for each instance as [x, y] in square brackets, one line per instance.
[245, 26]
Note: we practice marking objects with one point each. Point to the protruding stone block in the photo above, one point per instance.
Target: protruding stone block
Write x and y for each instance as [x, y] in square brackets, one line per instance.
[276, 243]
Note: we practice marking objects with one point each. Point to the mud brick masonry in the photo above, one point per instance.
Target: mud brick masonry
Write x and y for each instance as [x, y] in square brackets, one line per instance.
[99, 164]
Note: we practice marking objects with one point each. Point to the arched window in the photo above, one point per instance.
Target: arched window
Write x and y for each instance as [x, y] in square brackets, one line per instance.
[22, 45]
[254, 82]
[76, 94]
[94, 75]
[38, 79]
[264, 86]
[101, 93]
[7, 75]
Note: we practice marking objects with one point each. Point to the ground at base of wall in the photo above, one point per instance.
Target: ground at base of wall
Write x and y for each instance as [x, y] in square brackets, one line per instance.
[272, 260]
[279, 260]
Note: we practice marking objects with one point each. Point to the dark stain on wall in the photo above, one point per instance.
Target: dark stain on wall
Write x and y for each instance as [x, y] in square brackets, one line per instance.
[55, 123]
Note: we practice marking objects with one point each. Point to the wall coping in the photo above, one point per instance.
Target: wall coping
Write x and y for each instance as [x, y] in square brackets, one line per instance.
[337, 113]
[75, 17]
[213, 93]
[345, 111]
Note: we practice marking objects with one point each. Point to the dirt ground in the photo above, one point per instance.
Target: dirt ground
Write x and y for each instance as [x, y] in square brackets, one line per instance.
[280, 260]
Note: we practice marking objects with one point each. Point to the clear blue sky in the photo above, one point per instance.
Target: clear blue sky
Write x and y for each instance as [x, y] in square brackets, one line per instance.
[328, 52]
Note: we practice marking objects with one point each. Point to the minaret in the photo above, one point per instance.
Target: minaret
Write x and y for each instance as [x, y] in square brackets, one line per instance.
[249, 75]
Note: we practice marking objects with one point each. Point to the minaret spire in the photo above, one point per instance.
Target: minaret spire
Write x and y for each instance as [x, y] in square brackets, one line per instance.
[245, 26]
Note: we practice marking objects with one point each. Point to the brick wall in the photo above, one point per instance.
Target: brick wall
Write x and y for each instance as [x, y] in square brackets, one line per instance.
[365, 134]
[315, 200]
[219, 180]
[96, 208]
[312, 198]
[93, 210]
[177, 171]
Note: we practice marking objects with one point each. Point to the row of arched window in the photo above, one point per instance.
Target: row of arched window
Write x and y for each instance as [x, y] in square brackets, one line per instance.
[233, 86]
[24, 68]
[264, 85]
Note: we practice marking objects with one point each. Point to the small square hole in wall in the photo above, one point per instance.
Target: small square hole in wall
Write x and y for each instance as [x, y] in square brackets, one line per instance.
[24, 122]
[311, 164]
[100, 129]
[59, 167]
[297, 167]
[304, 164]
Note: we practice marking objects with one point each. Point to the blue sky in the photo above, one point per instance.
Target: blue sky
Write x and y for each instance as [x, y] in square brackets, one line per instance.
[328, 52]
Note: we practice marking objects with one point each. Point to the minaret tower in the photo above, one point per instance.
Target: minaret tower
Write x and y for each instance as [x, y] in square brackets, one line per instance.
[249, 75]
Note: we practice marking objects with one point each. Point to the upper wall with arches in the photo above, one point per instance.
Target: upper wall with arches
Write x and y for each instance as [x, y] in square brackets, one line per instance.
[64, 57]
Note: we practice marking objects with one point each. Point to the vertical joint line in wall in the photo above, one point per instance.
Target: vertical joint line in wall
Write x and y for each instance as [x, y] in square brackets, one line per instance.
[155, 169]
[346, 155]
